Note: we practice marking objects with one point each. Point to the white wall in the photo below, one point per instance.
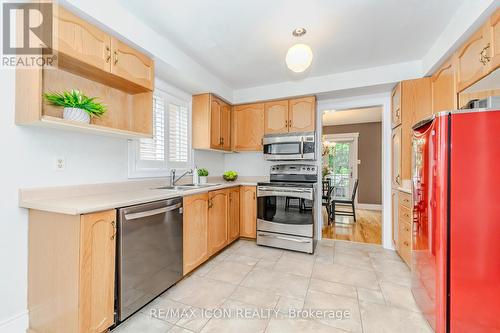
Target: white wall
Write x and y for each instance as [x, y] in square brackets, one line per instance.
[247, 164]
[211, 160]
[28, 161]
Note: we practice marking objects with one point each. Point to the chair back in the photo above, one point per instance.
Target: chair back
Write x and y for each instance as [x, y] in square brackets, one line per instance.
[354, 190]
[326, 187]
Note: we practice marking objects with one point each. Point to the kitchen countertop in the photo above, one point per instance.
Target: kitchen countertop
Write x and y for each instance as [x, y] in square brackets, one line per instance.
[82, 199]
[404, 189]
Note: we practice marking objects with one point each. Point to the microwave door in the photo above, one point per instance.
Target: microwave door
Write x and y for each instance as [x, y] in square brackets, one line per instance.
[283, 150]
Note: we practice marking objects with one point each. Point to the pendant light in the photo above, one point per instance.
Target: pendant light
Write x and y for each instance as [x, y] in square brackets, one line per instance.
[299, 56]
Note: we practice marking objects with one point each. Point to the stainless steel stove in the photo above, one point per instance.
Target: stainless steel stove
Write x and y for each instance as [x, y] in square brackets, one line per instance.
[285, 208]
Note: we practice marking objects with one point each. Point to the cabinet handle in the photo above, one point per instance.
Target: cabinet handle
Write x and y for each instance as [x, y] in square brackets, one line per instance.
[406, 243]
[397, 179]
[210, 203]
[254, 195]
[483, 57]
[113, 224]
[108, 56]
[116, 57]
[286, 123]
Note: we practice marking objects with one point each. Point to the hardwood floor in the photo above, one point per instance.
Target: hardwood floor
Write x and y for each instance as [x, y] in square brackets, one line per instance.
[367, 229]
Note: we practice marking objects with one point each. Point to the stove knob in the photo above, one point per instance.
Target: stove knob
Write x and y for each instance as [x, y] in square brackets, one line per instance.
[308, 169]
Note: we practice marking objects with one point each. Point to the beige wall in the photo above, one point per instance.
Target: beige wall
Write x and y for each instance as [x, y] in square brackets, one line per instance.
[370, 154]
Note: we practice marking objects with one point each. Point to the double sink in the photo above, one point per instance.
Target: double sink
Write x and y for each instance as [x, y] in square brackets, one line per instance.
[184, 187]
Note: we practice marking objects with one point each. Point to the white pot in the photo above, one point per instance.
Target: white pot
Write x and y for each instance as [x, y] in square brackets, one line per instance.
[203, 179]
[76, 114]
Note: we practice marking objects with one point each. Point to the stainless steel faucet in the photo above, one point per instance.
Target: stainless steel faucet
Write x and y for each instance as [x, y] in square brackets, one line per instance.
[172, 176]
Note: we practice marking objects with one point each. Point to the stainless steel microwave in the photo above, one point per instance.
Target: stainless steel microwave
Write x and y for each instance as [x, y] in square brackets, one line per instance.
[290, 147]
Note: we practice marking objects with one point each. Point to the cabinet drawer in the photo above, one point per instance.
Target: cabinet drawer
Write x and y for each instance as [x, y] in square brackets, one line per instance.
[404, 237]
[404, 214]
[405, 199]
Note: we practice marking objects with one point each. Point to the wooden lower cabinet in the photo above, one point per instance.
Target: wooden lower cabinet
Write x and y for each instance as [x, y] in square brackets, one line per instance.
[405, 219]
[233, 230]
[217, 220]
[248, 211]
[195, 231]
[71, 274]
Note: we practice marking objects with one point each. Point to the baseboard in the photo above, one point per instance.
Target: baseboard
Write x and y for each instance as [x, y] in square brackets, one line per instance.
[369, 206]
[15, 324]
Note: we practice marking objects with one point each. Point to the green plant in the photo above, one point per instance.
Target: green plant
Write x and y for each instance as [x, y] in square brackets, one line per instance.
[202, 172]
[230, 175]
[76, 99]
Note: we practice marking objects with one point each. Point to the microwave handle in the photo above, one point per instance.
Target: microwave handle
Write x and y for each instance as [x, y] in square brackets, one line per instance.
[302, 147]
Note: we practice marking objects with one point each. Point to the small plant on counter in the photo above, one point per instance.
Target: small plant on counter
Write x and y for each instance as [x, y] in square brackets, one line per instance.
[203, 173]
[230, 176]
[77, 106]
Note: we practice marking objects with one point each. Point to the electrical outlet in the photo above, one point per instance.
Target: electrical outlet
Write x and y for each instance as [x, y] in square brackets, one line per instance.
[60, 164]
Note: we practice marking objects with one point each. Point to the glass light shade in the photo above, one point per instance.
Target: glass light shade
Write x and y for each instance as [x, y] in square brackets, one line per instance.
[299, 58]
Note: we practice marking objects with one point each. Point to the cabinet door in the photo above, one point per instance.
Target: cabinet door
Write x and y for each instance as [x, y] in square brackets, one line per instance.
[302, 114]
[97, 271]
[132, 65]
[276, 117]
[226, 126]
[396, 157]
[248, 127]
[395, 205]
[396, 106]
[217, 220]
[470, 66]
[494, 31]
[248, 211]
[195, 231]
[444, 89]
[233, 230]
[81, 40]
[215, 123]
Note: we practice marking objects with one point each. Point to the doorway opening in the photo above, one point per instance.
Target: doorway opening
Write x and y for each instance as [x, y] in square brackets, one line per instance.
[352, 174]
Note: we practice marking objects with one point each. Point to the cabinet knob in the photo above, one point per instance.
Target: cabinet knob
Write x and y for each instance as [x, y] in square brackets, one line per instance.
[116, 57]
[210, 203]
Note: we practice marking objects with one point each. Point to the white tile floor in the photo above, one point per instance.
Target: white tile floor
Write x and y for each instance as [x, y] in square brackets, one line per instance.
[248, 288]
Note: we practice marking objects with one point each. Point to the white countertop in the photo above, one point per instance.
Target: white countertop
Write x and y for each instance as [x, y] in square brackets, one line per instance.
[82, 199]
[404, 189]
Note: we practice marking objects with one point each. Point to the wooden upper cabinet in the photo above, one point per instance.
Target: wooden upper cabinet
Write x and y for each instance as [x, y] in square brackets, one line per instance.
[248, 127]
[302, 114]
[215, 123]
[81, 41]
[131, 64]
[97, 271]
[471, 62]
[494, 31]
[396, 157]
[211, 121]
[217, 220]
[396, 106]
[276, 117]
[225, 126]
[195, 231]
[233, 230]
[444, 88]
[248, 211]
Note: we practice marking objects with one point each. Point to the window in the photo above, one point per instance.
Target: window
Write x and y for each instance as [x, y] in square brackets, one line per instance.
[170, 145]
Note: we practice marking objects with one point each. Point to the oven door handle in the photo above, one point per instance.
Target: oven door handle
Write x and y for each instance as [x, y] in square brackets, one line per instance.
[285, 238]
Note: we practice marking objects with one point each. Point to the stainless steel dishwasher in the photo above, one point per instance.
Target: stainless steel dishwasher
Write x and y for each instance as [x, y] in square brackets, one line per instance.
[149, 253]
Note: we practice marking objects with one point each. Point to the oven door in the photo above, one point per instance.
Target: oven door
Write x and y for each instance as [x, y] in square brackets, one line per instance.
[286, 210]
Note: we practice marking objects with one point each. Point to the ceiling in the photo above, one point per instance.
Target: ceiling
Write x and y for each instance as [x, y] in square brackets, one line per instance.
[352, 116]
[244, 43]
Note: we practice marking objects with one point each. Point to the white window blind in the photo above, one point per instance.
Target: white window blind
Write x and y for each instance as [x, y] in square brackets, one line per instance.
[154, 149]
[178, 144]
[170, 146]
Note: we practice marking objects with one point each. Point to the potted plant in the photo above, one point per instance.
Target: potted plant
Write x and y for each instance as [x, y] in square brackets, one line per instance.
[203, 173]
[230, 176]
[77, 106]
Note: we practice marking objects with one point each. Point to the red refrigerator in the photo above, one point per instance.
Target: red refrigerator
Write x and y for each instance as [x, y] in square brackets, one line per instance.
[456, 224]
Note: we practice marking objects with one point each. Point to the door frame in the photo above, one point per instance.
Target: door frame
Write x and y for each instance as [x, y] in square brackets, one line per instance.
[379, 99]
[346, 137]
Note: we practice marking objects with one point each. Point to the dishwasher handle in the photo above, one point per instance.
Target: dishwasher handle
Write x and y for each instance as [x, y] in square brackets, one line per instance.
[134, 216]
